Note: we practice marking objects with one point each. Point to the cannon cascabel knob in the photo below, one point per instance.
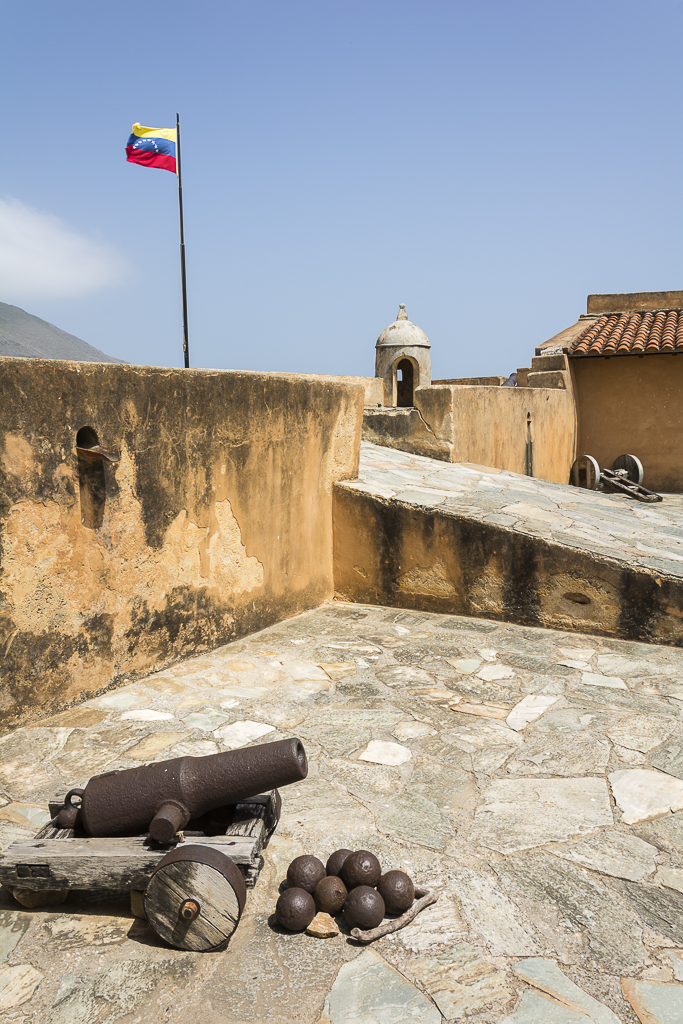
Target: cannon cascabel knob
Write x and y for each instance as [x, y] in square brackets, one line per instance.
[295, 910]
[397, 890]
[335, 861]
[364, 908]
[305, 872]
[330, 894]
[361, 868]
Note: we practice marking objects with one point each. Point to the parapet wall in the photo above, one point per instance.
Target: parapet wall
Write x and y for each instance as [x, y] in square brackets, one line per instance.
[524, 430]
[216, 521]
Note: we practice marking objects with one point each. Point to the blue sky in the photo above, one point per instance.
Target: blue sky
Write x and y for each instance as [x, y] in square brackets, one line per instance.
[488, 163]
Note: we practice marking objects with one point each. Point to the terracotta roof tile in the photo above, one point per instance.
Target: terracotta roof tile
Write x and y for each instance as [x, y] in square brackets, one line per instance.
[631, 334]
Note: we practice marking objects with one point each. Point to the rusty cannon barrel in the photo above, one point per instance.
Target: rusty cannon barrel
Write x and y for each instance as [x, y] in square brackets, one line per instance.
[161, 798]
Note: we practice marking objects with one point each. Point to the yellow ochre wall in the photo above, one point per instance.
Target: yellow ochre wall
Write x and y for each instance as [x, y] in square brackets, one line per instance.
[216, 521]
[630, 405]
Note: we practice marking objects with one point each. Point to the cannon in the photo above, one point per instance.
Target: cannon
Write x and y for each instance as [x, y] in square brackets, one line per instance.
[183, 836]
[162, 798]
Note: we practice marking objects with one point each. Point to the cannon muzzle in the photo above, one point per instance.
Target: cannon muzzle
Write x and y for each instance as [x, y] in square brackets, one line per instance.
[161, 798]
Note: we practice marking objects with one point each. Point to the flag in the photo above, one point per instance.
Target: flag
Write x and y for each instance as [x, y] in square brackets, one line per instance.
[152, 147]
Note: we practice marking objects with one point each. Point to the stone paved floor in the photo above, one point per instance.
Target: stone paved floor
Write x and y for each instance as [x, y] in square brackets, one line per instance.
[604, 524]
[533, 777]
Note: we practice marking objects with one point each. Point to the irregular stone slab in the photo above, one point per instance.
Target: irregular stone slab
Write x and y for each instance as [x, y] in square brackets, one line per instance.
[659, 909]
[490, 672]
[482, 710]
[17, 985]
[114, 991]
[518, 814]
[207, 720]
[368, 783]
[477, 735]
[670, 758]
[528, 710]
[580, 653]
[343, 732]
[537, 1009]
[593, 679]
[368, 991]
[240, 733]
[23, 779]
[324, 817]
[492, 915]
[643, 794]
[338, 669]
[449, 788]
[13, 926]
[613, 853]
[676, 958]
[152, 745]
[71, 931]
[561, 754]
[121, 699]
[385, 752]
[412, 730]
[190, 748]
[617, 664]
[436, 926]
[403, 675]
[464, 665]
[417, 821]
[25, 814]
[642, 732]
[654, 1002]
[672, 878]
[545, 975]
[584, 666]
[666, 834]
[305, 670]
[434, 694]
[611, 932]
[461, 981]
[602, 698]
[146, 715]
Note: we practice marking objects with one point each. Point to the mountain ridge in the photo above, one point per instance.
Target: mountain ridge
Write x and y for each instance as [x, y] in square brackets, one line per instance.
[27, 336]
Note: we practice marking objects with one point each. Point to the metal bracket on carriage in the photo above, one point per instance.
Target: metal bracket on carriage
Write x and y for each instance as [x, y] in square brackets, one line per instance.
[625, 476]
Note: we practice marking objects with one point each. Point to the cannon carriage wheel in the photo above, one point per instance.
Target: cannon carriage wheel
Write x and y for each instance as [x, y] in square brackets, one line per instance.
[633, 467]
[195, 898]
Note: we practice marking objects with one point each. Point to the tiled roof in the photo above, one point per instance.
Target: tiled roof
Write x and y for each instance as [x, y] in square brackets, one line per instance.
[631, 334]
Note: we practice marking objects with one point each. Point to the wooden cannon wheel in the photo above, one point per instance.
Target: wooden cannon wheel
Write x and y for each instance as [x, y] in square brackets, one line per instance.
[633, 467]
[585, 472]
[195, 898]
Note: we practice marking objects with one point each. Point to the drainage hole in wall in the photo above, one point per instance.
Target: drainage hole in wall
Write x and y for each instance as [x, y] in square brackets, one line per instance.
[576, 598]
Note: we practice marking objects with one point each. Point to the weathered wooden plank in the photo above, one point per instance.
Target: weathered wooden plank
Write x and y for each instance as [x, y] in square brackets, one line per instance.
[101, 863]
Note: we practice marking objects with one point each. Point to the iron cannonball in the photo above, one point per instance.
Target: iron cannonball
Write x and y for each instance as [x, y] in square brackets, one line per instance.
[361, 868]
[295, 910]
[397, 890]
[330, 895]
[364, 908]
[334, 863]
[305, 872]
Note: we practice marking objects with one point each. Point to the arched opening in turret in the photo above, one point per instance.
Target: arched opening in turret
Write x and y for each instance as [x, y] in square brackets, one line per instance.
[404, 384]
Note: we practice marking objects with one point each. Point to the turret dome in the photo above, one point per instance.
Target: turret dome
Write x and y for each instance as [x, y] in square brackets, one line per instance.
[403, 333]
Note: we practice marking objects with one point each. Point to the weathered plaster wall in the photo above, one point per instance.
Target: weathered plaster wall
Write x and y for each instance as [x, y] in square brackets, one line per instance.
[518, 429]
[373, 385]
[628, 405]
[216, 522]
[391, 553]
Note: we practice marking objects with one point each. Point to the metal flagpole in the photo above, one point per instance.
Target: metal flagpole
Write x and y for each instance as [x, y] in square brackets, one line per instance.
[186, 348]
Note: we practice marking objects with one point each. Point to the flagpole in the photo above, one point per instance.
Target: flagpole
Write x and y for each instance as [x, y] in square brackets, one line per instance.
[186, 348]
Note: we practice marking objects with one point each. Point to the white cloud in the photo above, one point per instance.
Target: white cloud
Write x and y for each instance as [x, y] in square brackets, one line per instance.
[41, 256]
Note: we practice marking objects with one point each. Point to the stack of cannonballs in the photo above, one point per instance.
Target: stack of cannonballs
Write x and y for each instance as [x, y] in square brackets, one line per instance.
[351, 882]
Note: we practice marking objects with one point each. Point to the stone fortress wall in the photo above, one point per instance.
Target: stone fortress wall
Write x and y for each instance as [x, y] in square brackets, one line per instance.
[215, 522]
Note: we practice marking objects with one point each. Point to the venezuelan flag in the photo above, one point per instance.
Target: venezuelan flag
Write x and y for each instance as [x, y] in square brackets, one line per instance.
[152, 147]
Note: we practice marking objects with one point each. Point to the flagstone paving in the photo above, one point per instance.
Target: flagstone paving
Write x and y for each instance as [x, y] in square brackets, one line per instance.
[533, 777]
